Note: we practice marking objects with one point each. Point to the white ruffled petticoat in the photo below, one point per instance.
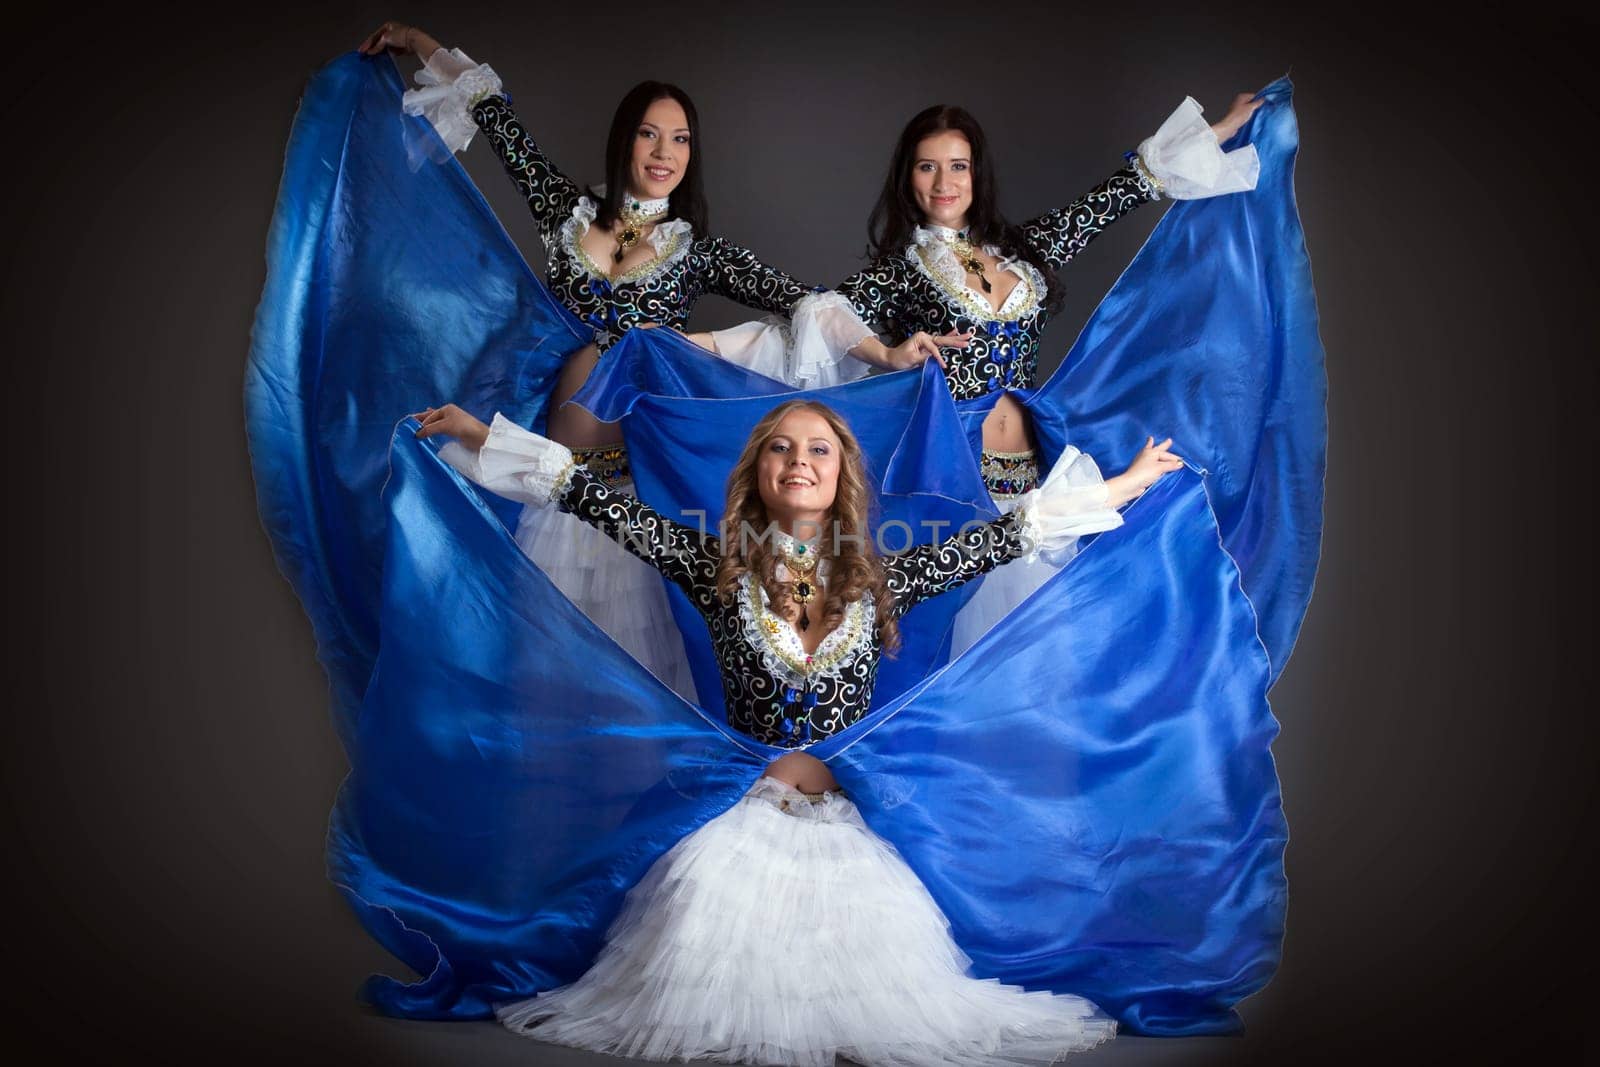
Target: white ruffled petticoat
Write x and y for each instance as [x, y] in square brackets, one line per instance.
[785, 931]
[620, 593]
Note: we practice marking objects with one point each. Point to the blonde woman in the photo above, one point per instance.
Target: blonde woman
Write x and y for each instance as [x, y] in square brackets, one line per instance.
[785, 930]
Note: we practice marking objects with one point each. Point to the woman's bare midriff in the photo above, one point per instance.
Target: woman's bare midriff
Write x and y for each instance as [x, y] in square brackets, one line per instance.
[1007, 427]
[571, 425]
[805, 773]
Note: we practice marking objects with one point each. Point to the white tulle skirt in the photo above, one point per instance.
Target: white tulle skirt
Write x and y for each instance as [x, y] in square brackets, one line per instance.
[622, 594]
[784, 931]
[1001, 590]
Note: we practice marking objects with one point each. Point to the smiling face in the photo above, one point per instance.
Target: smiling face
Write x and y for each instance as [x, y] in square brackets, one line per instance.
[661, 149]
[798, 472]
[941, 179]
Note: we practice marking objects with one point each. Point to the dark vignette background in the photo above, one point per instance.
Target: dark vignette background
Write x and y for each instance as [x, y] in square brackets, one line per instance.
[169, 764]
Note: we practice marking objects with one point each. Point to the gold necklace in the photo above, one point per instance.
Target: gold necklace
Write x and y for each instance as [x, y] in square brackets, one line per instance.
[802, 565]
[633, 220]
[968, 255]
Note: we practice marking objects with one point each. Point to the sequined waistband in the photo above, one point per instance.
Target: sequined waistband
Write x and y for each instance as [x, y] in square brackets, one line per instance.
[609, 464]
[1009, 473]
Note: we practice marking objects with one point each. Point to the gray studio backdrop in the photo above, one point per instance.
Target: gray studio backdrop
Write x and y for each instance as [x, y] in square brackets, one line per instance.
[170, 763]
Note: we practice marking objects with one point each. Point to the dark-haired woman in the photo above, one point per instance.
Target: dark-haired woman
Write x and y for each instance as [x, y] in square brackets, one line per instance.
[634, 254]
[785, 931]
[951, 278]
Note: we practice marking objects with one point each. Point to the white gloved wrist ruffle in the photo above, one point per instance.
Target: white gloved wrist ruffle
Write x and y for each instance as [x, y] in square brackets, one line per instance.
[449, 85]
[1185, 162]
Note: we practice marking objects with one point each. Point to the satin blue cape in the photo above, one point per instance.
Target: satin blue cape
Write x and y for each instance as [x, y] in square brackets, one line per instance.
[1111, 828]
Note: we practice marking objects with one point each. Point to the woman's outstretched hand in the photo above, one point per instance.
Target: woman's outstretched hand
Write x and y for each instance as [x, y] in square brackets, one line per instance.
[398, 39]
[1244, 105]
[452, 421]
[920, 347]
[1151, 463]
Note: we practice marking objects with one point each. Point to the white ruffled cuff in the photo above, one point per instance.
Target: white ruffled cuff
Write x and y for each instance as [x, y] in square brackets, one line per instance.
[761, 346]
[1073, 501]
[1186, 162]
[514, 463]
[450, 84]
[808, 352]
[825, 327]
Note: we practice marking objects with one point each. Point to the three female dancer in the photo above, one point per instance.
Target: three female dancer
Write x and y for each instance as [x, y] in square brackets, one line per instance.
[798, 631]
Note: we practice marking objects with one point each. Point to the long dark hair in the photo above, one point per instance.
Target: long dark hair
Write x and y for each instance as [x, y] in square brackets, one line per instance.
[896, 213]
[688, 200]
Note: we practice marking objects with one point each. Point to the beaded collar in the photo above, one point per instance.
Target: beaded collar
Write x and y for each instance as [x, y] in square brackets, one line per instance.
[933, 254]
[648, 208]
[671, 240]
[779, 643]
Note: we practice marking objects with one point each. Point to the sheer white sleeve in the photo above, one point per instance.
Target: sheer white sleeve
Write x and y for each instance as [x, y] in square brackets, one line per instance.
[514, 463]
[449, 83]
[811, 351]
[761, 346]
[1073, 501]
[1186, 162]
[824, 329]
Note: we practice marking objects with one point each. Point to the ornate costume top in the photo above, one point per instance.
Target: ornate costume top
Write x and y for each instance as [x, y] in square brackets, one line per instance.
[774, 690]
[924, 287]
[662, 290]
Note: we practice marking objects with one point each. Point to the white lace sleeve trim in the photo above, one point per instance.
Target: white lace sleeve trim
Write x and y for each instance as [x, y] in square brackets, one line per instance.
[449, 84]
[515, 463]
[824, 328]
[1073, 501]
[1186, 162]
[761, 346]
[808, 352]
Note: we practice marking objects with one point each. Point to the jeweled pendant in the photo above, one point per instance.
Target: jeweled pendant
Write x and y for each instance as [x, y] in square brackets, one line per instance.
[625, 241]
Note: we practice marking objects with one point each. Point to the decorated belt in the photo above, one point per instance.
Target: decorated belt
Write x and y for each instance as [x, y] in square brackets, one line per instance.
[1010, 473]
[609, 464]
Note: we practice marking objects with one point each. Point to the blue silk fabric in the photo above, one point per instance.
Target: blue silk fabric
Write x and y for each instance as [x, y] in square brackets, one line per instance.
[390, 285]
[1088, 793]
[1210, 337]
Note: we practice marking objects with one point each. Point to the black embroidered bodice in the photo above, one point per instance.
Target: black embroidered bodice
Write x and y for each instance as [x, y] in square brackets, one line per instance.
[902, 293]
[774, 691]
[662, 290]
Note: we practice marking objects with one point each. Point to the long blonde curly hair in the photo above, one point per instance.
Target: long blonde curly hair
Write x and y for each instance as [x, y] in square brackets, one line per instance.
[854, 569]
